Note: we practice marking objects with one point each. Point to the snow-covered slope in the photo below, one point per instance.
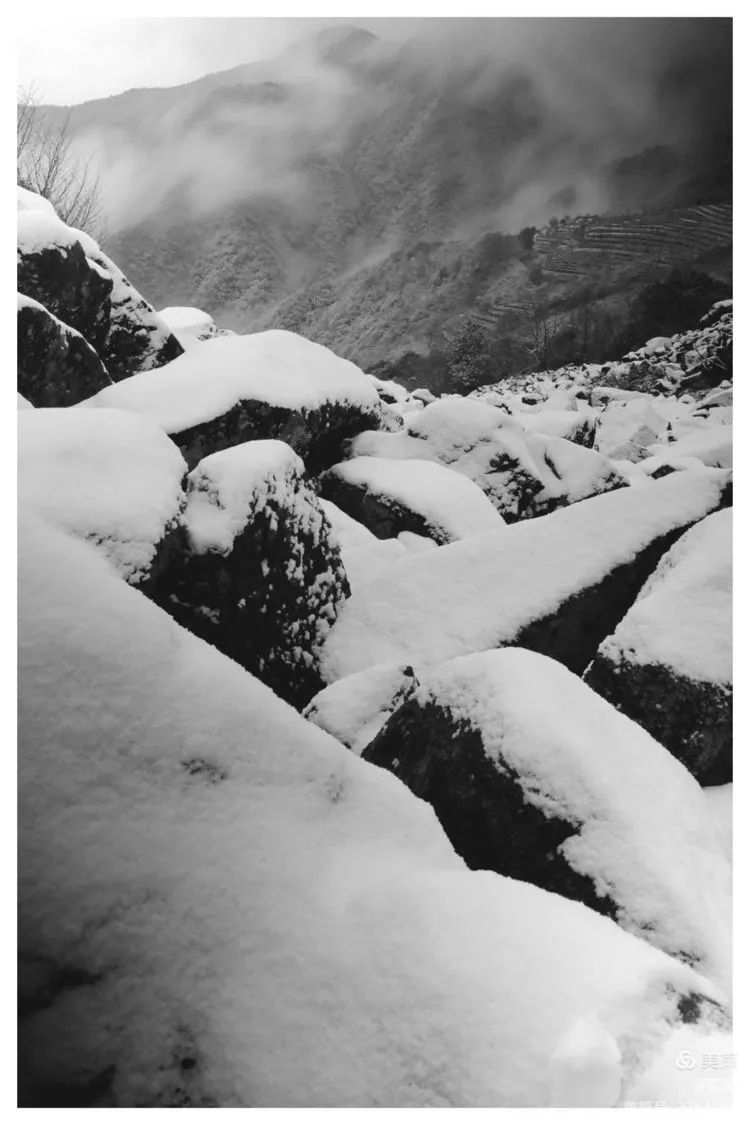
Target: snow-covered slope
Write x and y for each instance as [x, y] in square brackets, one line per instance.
[481, 592]
[193, 932]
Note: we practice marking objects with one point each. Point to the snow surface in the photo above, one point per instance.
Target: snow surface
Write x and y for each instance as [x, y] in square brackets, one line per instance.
[364, 555]
[448, 501]
[39, 229]
[477, 593]
[244, 891]
[190, 325]
[225, 488]
[354, 709]
[719, 799]
[646, 836]
[694, 1069]
[626, 429]
[111, 477]
[30, 201]
[682, 617]
[555, 423]
[23, 403]
[276, 367]
[712, 446]
[186, 319]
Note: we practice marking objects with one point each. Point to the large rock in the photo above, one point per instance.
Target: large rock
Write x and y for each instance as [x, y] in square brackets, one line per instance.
[534, 776]
[524, 474]
[626, 429]
[65, 270]
[577, 426]
[56, 365]
[558, 584]
[260, 576]
[55, 269]
[235, 389]
[111, 478]
[668, 664]
[389, 497]
[219, 905]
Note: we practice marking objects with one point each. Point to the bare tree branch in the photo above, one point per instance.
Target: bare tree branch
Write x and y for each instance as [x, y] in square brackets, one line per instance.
[47, 164]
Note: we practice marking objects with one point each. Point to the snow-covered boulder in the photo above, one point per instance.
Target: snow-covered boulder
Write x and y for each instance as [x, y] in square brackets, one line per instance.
[558, 584]
[219, 905]
[66, 271]
[112, 478]
[354, 709]
[423, 497]
[534, 776]
[626, 429]
[668, 664]
[235, 389]
[260, 576]
[574, 425]
[523, 473]
[190, 325]
[712, 446]
[390, 392]
[662, 464]
[56, 366]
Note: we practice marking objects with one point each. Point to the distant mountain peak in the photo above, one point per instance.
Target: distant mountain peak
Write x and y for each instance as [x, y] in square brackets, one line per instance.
[342, 41]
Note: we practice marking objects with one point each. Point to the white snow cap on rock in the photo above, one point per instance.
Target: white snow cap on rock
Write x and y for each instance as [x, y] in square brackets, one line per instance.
[242, 891]
[277, 367]
[447, 500]
[646, 836]
[30, 201]
[354, 709]
[38, 227]
[226, 487]
[477, 593]
[682, 617]
[190, 325]
[110, 477]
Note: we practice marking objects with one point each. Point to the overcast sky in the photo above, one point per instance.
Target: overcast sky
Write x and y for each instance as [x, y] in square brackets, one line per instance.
[72, 61]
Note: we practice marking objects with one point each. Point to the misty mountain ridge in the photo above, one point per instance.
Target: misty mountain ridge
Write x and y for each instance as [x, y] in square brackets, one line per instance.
[370, 194]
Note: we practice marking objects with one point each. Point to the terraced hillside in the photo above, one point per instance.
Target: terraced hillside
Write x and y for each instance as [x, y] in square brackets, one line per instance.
[575, 280]
[573, 247]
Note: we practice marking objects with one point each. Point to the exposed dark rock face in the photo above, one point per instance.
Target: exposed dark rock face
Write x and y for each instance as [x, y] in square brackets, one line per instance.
[268, 597]
[67, 283]
[692, 719]
[56, 364]
[317, 435]
[137, 340]
[384, 515]
[573, 633]
[481, 806]
[87, 291]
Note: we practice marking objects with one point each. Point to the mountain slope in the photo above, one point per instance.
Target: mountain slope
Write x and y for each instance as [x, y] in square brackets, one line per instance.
[361, 192]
